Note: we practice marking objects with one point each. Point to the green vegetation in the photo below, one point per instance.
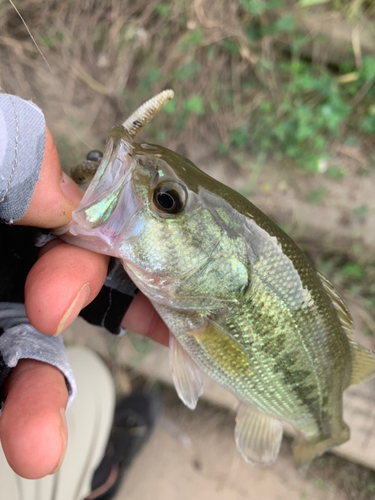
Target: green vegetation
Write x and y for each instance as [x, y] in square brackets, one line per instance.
[303, 106]
[278, 102]
[253, 78]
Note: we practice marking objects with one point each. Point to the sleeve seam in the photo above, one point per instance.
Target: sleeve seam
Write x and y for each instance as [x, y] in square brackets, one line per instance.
[15, 150]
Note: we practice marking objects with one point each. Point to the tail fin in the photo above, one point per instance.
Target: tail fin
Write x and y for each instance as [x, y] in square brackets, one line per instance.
[305, 451]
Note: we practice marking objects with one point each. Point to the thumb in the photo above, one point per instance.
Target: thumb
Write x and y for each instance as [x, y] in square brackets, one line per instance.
[55, 195]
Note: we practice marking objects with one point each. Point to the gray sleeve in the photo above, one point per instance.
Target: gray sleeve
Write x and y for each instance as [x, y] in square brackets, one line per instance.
[19, 340]
[22, 140]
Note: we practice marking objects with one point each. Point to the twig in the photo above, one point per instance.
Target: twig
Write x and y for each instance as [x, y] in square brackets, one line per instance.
[17, 45]
[361, 93]
[89, 80]
[341, 148]
[356, 43]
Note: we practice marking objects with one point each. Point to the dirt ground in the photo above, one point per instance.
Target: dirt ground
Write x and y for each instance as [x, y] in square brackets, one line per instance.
[192, 455]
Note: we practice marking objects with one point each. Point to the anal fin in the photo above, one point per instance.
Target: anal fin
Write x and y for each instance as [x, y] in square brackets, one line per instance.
[187, 376]
[258, 436]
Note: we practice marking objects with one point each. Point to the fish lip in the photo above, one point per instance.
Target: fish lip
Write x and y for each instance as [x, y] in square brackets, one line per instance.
[102, 196]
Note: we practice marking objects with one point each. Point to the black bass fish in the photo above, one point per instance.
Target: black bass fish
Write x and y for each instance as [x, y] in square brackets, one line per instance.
[242, 302]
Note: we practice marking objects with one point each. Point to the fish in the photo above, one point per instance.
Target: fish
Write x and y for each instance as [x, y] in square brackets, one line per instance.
[242, 302]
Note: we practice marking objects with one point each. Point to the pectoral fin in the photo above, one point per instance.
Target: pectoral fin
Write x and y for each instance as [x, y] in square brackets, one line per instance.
[258, 436]
[187, 377]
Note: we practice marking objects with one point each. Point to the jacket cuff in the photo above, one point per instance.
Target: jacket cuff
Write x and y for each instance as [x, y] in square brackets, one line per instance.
[22, 141]
[19, 340]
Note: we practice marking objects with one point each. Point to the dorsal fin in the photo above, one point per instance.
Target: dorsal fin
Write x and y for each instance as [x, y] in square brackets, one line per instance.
[339, 305]
[363, 360]
[363, 363]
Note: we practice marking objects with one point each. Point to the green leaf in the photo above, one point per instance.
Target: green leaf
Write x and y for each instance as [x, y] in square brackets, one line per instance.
[336, 173]
[194, 105]
[319, 142]
[52, 39]
[299, 41]
[215, 106]
[239, 159]
[285, 23]
[310, 163]
[361, 212]
[307, 3]
[222, 148]
[232, 47]
[240, 136]
[163, 9]
[266, 106]
[318, 195]
[188, 71]
[366, 330]
[170, 107]
[353, 270]
[368, 69]
[367, 124]
[319, 483]
[255, 7]
[153, 75]
[274, 4]
[161, 136]
[191, 39]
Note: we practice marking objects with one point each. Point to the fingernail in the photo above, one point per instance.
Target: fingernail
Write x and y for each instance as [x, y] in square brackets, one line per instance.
[64, 434]
[70, 189]
[74, 308]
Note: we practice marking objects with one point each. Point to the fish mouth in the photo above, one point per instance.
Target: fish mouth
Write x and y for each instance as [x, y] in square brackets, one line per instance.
[105, 191]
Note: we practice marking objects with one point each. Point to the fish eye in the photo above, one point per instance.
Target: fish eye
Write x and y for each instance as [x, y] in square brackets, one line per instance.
[94, 155]
[170, 198]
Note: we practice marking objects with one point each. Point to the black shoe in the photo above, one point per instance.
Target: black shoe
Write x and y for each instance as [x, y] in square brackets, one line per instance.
[134, 421]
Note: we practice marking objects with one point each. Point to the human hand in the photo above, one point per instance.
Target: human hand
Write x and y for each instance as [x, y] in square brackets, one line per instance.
[63, 281]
